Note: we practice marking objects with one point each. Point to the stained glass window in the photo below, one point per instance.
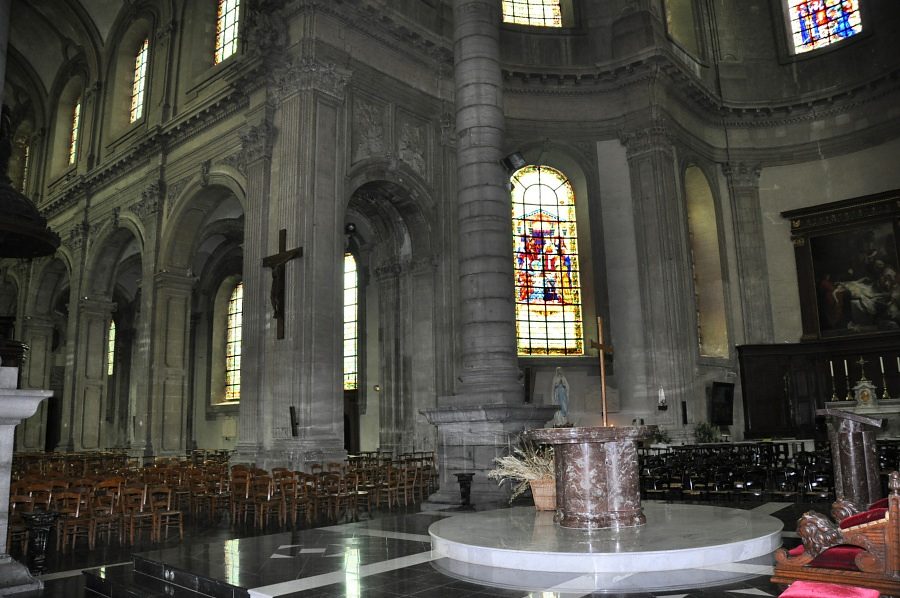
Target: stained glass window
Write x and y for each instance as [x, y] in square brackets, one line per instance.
[818, 23]
[226, 29]
[140, 78]
[76, 125]
[545, 244]
[351, 323]
[538, 13]
[233, 344]
[111, 348]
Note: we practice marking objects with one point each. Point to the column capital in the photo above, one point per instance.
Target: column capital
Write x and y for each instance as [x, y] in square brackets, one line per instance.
[166, 279]
[653, 136]
[308, 74]
[742, 174]
[97, 305]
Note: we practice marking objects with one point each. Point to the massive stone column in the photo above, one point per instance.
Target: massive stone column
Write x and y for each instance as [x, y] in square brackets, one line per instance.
[476, 423]
[753, 272]
[664, 267]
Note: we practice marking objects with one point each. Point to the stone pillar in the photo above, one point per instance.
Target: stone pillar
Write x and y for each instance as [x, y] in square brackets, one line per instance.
[90, 372]
[17, 405]
[479, 421]
[854, 456]
[753, 274]
[140, 404]
[169, 363]
[664, 267]
[393, 378]
[304, 369]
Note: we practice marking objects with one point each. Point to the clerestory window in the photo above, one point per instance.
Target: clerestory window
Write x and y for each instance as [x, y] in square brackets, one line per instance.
[233, 343]
[351, 323]
[227, 19]
[139, 83]
[536, 13]
[818, 23]
[74, 131]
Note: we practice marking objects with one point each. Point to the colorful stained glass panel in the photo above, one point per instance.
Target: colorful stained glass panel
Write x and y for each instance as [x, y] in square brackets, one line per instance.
[233, 344]
[140, 79]
[545, 246]
[227, 29]
[351, 323]
[818, 23]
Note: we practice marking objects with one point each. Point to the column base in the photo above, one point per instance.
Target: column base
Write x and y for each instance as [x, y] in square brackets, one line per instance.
[469, 438]
[15, 577]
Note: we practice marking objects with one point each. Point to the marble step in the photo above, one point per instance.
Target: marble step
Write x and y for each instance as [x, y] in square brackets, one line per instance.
[128, 582]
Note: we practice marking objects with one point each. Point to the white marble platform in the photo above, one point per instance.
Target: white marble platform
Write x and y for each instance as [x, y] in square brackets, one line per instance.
[680, 546]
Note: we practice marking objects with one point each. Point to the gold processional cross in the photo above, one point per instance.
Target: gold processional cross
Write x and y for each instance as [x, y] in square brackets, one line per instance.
[276, 262]
[602, 349]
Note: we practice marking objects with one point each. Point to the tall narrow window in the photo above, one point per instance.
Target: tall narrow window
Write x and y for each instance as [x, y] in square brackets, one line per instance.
[111, 349]
[706, 265]
[819, 23]
[139, 83]
[73, 137]
[351, 323]
[26, 163]
[233, 344]
[226, 29]
[537, 13]
[545, 244]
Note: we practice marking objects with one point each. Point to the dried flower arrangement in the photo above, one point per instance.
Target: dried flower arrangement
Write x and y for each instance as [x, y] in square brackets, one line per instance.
[527, 462]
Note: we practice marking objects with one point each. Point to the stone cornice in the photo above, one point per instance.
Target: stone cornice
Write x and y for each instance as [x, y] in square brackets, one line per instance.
[577, 81]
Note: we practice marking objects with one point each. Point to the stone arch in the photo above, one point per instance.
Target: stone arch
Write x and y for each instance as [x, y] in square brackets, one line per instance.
[52, 281]
[197, 203]
[395, 247]
[70, 88]
[117, 245]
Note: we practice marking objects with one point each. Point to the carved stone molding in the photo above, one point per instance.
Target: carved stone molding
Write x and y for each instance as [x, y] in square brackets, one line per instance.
[265, 32]
[149, 204]
[368, 129]
[412, 146]
[166, 31]
[77, 236]
[204, 172]
[308, 74]
[387, 270]
[448, 130]
[257, 142]
[655, 137]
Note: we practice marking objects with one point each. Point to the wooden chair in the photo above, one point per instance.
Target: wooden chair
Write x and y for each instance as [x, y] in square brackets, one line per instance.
[136, 513]
[240, 495]
[389, 487]
[17, 532]
[42, 494]
[862, 550]
[75, 519]
[107, 508]
[166, 515]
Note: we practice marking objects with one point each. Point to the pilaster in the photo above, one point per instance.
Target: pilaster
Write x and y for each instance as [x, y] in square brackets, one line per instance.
[93, 314]
[753, 271]
[663, 262]
[37, 333]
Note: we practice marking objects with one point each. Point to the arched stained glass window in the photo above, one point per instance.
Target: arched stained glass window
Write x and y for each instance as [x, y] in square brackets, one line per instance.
[819, 23]
[111, 349]
[233, 344]
[351, 323]
[227, 29]
[537, 13]
[139, 82]
[545, 244]
[73, 133]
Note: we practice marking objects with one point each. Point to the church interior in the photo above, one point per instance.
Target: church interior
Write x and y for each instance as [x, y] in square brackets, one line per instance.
[295, 238]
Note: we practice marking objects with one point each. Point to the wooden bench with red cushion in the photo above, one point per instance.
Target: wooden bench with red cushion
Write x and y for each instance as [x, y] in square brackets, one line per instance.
[818, 589]
[863, 550]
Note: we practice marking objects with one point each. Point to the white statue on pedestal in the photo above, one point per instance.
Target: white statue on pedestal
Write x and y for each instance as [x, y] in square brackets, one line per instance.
[561, 398]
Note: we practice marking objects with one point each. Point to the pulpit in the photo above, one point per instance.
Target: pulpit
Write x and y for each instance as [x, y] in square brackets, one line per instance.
[597, 483]
[854, 454]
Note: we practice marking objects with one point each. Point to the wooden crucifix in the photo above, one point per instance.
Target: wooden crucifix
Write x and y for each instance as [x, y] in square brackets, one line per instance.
[277, 262]
[602, 350]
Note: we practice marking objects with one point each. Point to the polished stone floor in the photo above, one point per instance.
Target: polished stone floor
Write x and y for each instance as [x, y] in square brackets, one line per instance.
[385, 556]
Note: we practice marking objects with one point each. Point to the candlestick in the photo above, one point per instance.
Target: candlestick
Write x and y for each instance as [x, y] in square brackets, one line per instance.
[831, 367]
[846, 373]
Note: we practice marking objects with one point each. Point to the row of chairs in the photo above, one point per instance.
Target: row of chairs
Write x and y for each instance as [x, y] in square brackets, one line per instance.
[106, 508]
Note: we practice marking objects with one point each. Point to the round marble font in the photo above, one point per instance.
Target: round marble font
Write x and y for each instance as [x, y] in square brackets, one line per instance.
[676, 537]
[597, 483]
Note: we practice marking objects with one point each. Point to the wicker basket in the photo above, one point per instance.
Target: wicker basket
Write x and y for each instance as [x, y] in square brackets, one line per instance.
[544, 493]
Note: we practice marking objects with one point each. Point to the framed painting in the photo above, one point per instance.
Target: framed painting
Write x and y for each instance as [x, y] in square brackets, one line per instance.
[847, 266]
